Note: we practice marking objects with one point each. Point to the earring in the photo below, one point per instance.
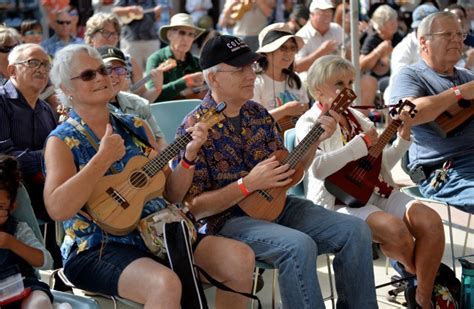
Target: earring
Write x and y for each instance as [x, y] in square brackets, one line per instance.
[69, 98]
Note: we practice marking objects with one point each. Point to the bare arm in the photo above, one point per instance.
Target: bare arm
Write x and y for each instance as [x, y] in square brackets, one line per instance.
[293, 108]
[368, 62]
[63, 180]
[125, 10]
[430, 107]
[30, 254]
[303, 64]
[266, 6]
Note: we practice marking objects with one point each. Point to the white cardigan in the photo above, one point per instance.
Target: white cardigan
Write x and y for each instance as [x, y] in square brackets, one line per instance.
[332, 155]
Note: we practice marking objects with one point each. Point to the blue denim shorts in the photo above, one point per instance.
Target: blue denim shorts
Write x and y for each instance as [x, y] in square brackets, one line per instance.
[99, 269]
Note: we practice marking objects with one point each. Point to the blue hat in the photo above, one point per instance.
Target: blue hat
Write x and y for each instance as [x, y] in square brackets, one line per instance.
[421, 12]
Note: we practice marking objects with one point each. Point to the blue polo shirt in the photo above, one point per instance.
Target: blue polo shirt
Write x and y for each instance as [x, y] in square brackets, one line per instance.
[428, 147]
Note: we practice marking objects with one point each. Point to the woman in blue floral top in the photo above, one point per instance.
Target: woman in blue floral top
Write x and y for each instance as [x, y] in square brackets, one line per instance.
[121, 265]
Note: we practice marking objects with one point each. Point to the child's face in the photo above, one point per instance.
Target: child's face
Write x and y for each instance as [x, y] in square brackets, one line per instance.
[5, 206]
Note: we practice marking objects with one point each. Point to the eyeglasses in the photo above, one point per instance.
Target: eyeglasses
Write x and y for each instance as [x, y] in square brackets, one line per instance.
[181, 32]
[32, 32]
[249, 67]
[63, 22]
[448, 35]
[36, 64]
[107, 34]
[6, 49]
[288, 49]
[120, 71]
[89, 75]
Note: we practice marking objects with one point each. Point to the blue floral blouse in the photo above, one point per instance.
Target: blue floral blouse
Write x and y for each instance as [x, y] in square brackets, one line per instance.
[81, 232]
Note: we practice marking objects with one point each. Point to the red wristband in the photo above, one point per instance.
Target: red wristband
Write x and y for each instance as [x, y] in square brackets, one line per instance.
[242, 187]
[186, 164]
[457, 93]
[367, 140]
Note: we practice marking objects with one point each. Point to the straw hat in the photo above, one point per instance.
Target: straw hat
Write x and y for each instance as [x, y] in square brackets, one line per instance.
[179, 20]
[274, 36]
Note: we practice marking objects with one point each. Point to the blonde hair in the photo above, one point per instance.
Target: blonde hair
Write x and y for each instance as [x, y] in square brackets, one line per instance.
[7, 35]
[381, 15]
[97, 22]
[325, 68]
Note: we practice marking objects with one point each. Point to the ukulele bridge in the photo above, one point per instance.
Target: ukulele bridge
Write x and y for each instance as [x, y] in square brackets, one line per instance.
[116, 196]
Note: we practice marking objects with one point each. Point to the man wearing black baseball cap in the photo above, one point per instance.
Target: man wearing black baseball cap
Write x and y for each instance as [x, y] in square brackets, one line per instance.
[237, 160]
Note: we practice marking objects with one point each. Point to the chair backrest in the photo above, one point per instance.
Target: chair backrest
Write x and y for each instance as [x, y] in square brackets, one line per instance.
[24, 212]
[170, 114]
[290, 141]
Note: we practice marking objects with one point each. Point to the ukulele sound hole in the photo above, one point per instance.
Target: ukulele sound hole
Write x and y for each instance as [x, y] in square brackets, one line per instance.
[138, 179]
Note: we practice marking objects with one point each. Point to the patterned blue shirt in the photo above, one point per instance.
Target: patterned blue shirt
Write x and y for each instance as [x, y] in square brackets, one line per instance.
[54, 43]
[228, 154]
[80, 231]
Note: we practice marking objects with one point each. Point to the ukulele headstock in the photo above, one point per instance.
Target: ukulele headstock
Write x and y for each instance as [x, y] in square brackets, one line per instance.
[213, 116]
[405, 105]
[343, 100]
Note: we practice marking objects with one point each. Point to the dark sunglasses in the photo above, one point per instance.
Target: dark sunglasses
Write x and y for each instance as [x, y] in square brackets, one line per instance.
[63, 22]
[6, 49]
[89, 75]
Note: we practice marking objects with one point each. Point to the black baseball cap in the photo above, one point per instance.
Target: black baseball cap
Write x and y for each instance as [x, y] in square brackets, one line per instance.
[109, 53]
[227, 49]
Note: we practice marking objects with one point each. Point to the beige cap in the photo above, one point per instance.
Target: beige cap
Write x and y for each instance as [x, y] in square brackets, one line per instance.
[274, 36]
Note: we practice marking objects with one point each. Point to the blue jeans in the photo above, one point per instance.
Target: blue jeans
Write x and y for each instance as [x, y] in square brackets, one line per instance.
[292, 243]
[457, 189]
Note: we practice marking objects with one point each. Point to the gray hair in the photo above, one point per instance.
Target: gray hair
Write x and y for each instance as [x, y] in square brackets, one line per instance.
[97, 22]
[426, 25]
[206, 72]
[16, 53]
[325, 68]
[61, 71]
[383, 14]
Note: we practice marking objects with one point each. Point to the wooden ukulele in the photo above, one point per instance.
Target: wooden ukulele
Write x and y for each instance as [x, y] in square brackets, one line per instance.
[126, 19]
[117, 201]
[287, 122]
[268, 204]
[165, 66]
[239, 9]
[355, 182]
[450, 120]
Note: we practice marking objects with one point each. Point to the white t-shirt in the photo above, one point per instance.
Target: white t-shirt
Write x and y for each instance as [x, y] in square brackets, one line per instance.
[272, 94]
